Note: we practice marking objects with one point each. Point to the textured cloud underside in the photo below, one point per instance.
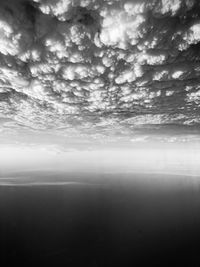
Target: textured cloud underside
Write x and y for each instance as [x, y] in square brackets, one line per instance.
[99, 67]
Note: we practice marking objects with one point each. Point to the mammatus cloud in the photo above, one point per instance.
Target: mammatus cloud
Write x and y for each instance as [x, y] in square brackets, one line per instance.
[98, 67]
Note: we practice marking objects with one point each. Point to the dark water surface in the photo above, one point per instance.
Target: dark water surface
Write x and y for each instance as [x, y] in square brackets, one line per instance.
[118, 224]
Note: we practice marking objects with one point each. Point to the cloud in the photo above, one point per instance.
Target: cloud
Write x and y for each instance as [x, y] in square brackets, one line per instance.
[77, 63]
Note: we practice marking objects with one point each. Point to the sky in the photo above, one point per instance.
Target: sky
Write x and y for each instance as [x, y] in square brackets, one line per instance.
[99, 75]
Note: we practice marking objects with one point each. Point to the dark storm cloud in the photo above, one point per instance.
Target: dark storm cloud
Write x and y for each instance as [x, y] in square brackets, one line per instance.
[99, 66]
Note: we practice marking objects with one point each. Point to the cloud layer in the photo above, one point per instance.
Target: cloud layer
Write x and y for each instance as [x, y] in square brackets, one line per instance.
[99, 66]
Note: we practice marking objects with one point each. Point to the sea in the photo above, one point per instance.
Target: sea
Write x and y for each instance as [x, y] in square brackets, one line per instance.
[99, 221]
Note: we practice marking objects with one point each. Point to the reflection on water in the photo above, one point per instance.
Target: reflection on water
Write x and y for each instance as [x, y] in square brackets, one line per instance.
[118, 223]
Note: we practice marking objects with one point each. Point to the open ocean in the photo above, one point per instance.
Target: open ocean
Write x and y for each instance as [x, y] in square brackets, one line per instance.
[118, 223]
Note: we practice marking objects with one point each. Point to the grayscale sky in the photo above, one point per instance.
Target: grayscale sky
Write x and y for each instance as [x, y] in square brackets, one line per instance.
[100, 84]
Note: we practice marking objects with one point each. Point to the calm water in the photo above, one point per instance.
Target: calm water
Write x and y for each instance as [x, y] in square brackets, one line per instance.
[116, 224]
